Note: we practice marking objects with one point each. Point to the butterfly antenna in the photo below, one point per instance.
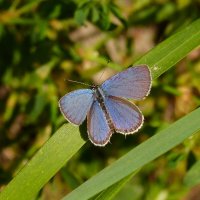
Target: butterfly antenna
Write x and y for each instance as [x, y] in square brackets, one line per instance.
[108, 61]
[78, 82]
[101, 75]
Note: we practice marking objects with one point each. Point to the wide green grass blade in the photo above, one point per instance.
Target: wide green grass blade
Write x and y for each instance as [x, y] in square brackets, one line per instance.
[67, 140]
[47, 161]
[139, 156]
[172, 50]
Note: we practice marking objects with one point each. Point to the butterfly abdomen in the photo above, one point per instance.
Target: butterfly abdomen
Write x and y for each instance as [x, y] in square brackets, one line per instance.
[100, 98]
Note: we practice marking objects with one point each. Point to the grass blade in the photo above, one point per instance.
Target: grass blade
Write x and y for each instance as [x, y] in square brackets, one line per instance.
[112, 191]
[172, 50]
[139, 156]
[47, 161]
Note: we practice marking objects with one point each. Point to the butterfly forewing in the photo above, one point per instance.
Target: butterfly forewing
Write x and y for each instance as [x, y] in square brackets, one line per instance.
[135, 83]
[99, 131]
[75, 105]
[125, 116]
[106, 108]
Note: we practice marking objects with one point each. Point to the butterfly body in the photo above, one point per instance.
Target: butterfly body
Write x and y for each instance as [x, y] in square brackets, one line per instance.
[106, 106]
[100, 96]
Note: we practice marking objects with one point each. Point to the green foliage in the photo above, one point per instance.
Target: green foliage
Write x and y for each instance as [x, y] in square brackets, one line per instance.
[43, 43]
[98, 12]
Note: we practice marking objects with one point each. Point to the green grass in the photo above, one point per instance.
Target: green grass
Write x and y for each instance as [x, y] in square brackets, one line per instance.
[139, 156]
[172, 50]
[45, 164]
[67, 140]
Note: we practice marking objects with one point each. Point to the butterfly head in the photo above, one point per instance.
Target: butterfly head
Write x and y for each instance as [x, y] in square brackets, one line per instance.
[94, 87]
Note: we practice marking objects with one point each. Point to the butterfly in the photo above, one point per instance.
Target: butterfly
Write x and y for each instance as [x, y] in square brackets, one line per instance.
[106, 106]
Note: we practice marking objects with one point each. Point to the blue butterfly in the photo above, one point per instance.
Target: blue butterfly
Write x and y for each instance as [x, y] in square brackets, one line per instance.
[105, 107]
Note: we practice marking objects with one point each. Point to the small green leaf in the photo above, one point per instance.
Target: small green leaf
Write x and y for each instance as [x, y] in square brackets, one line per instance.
[95, 14]
[104, 21]
[117, 12]
[81, 15]
[38, 107]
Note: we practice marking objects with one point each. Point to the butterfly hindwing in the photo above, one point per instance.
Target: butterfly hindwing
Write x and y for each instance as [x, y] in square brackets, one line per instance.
[99, 131]
[106, 107]
[134, 82]
[125, 116]
[75, 105]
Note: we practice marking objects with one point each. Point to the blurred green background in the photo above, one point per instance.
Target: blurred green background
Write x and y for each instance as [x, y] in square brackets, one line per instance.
[44, 43]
